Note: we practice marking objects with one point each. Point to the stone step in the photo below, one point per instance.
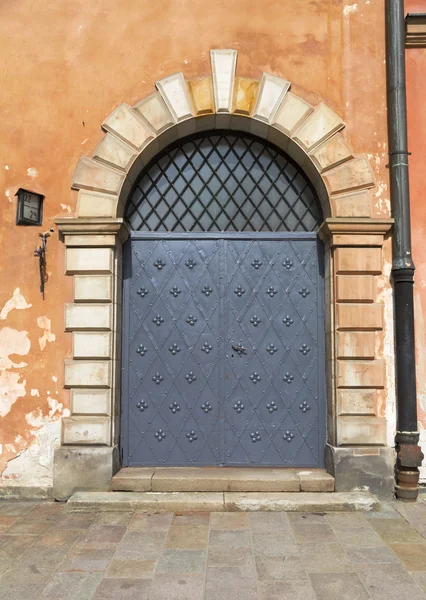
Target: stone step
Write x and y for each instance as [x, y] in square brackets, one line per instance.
[221, 479]
[222, 501]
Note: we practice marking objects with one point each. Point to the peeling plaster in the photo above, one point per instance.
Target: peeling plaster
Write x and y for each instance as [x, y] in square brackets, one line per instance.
[351, 8]
[386, 352]
[32, 172]
[422, 443]
[9, 194]
[12, 342]
[11, 388]
[34, 465]
[35, 392]
[48, 336]
[17, 301]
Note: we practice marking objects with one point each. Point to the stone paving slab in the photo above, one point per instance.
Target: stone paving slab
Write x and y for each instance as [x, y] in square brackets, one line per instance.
[47, 553]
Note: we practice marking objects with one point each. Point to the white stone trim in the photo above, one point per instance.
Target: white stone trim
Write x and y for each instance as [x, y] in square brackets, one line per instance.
[87, 373]
[95, 204]
[115, 153]
[92, 260]
[320, 125]
[86, 430]
[224, 64]
[92, 288]
[311, 136]
[154, 110]
[271, 94]
[90, 402]
[125, 124]
[89, 317]
[175, 94]
[94, 175]
[92, 344]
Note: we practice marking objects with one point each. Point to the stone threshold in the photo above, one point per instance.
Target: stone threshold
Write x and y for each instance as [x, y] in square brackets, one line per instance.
[222, 501]
[221, 479]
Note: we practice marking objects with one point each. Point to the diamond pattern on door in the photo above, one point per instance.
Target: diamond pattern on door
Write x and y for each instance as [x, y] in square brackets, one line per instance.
[223, 360]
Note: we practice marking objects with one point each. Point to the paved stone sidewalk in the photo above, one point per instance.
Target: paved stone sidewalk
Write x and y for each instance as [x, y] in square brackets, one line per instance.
[48, 553]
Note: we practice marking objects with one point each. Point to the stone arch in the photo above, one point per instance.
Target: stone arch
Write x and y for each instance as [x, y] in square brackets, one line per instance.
[310, 135]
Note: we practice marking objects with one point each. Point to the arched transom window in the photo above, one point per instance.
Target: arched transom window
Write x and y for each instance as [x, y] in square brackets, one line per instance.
[223, 182]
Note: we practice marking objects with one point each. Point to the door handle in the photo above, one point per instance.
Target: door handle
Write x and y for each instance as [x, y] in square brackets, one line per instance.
[239, 349]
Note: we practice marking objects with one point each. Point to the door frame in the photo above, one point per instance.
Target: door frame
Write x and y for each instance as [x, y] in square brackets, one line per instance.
[360, 401]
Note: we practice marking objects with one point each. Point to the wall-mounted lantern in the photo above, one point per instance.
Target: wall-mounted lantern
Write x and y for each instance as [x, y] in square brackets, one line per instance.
[30, 208]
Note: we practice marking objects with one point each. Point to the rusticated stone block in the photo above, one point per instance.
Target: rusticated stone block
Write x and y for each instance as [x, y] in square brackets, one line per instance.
[361, 429]
[154, 110]
[92, 288]
[124, 123]
[353, 175]
[223, 64]
[115, 152]
[356, 344]
[360, 374]
[84, 260]
[201, 92]
[175, 94]
[319, 126]
[356, 402]
[331, 153]
[93, 175]
[90, 402]
[89, 317]
[359, 316]
[355, 288]
[245, 94]
[86, 430]
[291, 114]
[355, 204]
[272, 91]
[87, 373]
[93, 204]
[94, 344]
[358, 260]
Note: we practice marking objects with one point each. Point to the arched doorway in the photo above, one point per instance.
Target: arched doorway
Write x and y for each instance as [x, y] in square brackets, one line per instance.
[223, 329]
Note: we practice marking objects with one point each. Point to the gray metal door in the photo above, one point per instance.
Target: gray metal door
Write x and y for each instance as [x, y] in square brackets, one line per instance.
[223, 359]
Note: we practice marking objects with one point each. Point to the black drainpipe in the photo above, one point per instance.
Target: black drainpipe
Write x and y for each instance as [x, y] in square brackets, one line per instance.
[409, 456]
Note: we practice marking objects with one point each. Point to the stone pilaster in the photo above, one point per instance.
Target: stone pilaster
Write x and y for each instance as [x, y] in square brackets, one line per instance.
[357, 424]
[89, 435]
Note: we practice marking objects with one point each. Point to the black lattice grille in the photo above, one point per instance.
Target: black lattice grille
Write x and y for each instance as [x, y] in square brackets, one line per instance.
[223, 182]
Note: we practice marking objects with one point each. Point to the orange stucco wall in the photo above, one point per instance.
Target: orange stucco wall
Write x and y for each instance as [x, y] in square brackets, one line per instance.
[65, 67]
[416, 91]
